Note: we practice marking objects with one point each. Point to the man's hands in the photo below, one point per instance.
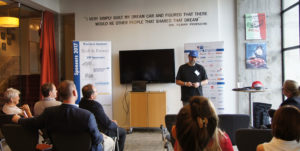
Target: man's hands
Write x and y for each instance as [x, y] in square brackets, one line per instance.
[15, 118]
[115, 122]
[190, 84]
[26, 108]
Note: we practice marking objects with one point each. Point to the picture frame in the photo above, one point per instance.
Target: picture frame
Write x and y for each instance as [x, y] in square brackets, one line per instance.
[256, 56]
[3, 35]
[8, 41]
[3, 46]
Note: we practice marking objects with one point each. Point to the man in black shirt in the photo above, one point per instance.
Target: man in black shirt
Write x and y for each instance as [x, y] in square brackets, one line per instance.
[191, 77]
[105, 125]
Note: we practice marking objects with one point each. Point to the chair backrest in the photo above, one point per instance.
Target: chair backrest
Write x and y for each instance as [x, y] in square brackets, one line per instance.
[20, 138]
[232, 122]
[71, 141]
[170, 120]
[260, 114]
[248, 139]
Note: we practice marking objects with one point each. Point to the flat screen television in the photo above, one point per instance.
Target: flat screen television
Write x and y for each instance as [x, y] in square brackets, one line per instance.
[153, 66]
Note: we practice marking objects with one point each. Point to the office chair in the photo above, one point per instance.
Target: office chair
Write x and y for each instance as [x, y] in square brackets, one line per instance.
[170, 120]
[248, 139]
[2, 139]
[19, 138]
[71, 141]
[232, 122]
[116, 140]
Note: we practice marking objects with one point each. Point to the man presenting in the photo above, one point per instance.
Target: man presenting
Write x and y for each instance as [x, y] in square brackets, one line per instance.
[191, 77]
[66, 118]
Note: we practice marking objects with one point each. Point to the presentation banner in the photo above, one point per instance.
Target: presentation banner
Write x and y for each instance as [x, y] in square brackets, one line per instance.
[92, 65]
[211, 57]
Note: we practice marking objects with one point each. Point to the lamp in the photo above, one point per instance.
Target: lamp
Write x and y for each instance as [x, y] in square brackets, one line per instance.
[9, 22]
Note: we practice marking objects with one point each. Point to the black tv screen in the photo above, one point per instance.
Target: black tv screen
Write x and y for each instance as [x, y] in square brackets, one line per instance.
[153, 66]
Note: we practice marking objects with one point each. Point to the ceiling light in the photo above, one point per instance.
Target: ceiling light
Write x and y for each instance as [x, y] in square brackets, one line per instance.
[2, 3]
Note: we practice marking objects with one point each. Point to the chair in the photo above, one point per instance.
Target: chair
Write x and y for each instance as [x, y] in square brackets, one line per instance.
[248, 139]
[71, 141]
[4, 119]
[170, 120]
[232, 122]
[2, 139]
[260, 114]
[19, 138]
[116, 140]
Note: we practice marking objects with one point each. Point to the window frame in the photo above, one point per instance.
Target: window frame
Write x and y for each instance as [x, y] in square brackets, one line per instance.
[284, 49]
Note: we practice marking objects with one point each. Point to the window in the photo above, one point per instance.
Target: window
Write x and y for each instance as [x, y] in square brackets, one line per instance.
[290, 40]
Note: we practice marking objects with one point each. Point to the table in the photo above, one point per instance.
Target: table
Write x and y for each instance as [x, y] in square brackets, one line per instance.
[250, 100]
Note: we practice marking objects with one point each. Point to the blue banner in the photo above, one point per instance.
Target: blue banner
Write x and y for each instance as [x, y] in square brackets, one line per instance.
[76, 68]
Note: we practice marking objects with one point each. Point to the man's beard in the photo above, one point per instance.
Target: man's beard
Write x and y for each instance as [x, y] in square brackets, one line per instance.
[192, 62]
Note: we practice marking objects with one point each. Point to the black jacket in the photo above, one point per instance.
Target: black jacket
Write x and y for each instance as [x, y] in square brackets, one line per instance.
[103, 121]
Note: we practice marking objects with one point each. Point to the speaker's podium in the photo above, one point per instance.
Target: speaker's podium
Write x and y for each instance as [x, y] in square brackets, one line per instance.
[147, 109]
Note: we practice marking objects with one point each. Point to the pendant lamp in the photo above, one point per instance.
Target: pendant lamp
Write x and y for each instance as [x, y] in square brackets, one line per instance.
[9, 22]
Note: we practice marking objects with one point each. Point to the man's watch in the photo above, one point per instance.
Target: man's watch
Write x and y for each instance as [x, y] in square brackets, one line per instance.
[184, 83]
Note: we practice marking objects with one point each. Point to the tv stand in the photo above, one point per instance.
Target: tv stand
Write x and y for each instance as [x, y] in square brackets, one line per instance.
[147, 109]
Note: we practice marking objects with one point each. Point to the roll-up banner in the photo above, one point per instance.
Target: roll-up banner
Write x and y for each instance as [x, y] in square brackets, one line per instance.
[92, 65]
[211, 57]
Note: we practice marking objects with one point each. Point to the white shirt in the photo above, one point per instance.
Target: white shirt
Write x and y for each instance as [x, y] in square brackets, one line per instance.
[8, 109]
[40, 106]
[281, 145]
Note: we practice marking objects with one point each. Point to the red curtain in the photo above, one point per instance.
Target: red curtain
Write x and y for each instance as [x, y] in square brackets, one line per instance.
[49, 63]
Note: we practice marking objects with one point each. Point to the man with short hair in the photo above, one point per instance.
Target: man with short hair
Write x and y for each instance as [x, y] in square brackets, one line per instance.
[49, 94]
[191, 77]
[66, 117]
[105, 125]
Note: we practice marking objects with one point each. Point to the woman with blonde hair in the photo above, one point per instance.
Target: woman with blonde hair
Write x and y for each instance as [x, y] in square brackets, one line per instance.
[12, 99]
[196, 128]
[291, 90]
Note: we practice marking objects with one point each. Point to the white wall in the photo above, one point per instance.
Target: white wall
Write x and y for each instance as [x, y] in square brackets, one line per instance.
[220, 27]
[227, 28]
[49, 5]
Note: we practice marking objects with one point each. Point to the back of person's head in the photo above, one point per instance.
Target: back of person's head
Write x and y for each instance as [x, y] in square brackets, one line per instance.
[46, 88]
[286, 123]
[87, 91]
[196, 124]
[10, 93]
[292, 87]
[65, 89]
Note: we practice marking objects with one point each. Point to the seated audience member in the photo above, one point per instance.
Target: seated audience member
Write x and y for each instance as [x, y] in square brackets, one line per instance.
[196, 128]
[291, 90]
[49, 94]
[12, 97]
[285, 130]
[105, 125]
[66, 117]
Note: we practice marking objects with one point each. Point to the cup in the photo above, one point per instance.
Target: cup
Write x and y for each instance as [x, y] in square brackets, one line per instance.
[239, 84]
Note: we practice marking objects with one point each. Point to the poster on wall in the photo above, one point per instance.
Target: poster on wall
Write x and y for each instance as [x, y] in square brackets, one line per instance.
[256, 56]
[255, 26]
[92, 65]
[211, 57]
